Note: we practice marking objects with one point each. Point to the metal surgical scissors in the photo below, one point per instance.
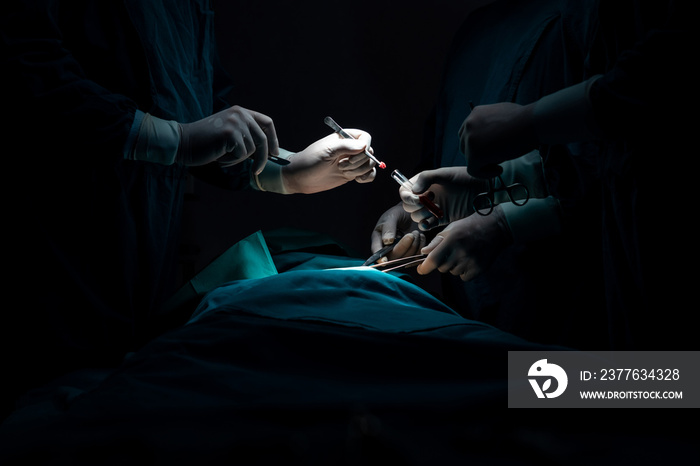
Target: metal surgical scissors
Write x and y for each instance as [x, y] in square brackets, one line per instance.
[401, 263]
[385, 250]
[484, 203]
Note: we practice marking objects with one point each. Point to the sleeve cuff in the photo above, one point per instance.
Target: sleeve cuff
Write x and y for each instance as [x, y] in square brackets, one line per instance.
[566, 116]
[537, 219]
[270, 179]
[133, 134]
[527, 170]
[152, 139]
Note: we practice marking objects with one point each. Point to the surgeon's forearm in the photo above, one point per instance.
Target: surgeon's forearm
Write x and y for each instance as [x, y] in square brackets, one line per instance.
[538, 219]
[566, 116]
[153, 139]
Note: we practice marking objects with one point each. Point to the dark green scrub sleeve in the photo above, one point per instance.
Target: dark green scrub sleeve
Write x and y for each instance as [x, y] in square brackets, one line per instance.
[51, 94]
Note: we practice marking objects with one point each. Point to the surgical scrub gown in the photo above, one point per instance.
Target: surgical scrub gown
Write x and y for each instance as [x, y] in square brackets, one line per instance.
[94, 236]
[547, 290]
[629, 194]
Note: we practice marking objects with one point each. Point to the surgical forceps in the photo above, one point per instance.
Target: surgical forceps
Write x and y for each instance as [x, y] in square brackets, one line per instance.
[517, 193]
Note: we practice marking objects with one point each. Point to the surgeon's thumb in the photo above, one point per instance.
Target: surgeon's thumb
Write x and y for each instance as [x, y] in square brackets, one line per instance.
[431, 262]
[423, 181]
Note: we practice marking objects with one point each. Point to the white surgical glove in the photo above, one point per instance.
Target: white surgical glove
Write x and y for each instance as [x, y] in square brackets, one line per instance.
[326, 164]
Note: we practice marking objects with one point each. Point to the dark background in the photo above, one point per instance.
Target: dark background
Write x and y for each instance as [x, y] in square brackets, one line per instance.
[371, 65]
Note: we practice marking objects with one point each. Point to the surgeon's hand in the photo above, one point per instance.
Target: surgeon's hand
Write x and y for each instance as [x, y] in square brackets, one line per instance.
[468, 246]
[492, 134]
[451, 188]
[228, 137]
[395, 222]
[330, 162]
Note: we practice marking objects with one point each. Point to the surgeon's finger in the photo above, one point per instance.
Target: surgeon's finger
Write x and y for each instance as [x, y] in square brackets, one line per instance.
[404, 245]
[469, 274]
[446, 261]
[411, 202]
[409, 245]
[268, 127]
[384, 234]
[470, 269]
[435, 256]
[422, 215]
[236, 150]
[355, 161]
[386, 230]
[459, 267]
[367, 177]
[376, 242]
[363, 173]
[256, 145]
